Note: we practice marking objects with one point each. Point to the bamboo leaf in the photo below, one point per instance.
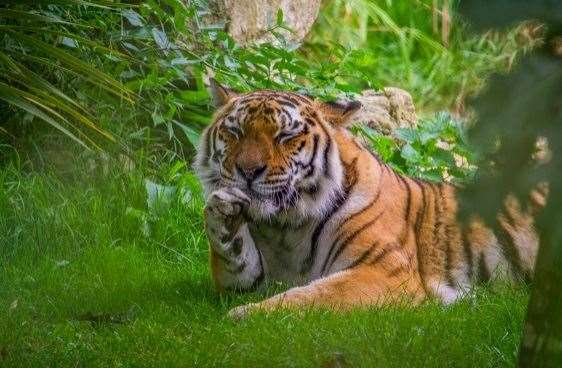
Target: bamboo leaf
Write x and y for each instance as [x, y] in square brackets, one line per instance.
[74, 63]
[11, 96]
[36, 17]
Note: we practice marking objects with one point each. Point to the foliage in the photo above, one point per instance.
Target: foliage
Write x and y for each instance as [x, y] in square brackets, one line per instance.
[37, 58]
[161, 51]
[420, 46]
[435, 150]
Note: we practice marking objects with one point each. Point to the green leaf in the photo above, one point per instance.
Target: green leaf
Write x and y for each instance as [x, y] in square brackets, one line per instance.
[76, 64]
[31, 16]
[279, 17]
[410, 154]
[157, 118]
[16, 97]
[161, 39]
[133, 17]
[406, 134]
[425, 136]
[70, 42]
[192, 135]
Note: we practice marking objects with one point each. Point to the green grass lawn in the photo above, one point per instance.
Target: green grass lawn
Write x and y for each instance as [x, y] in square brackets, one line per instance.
[89, 276]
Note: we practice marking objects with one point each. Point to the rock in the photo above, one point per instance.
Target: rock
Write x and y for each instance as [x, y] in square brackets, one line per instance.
[386, 110]
[248, 21]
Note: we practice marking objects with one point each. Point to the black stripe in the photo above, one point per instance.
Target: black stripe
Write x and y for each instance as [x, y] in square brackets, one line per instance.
[397, 271]
[236, 246]
[509, 250]
[363, 257]
[447, 240]
[404, 232]
[421, 210]
[341, 199]
[468, 254]
[283, 102]
[384, 252]
[310, 164]
[303, 99]
[300, 146]
[483, 272]
[419, 221]
[282, 135]
[274, 181]
[362, 210]
[326, 163]
[350, 218]
[448, 256]
[289, 99]
[310, 121]
[307, 264]
[438, 214]
[353, 216]
[346, 243]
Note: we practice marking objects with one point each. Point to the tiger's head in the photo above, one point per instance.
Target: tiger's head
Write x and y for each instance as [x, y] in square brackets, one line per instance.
[277, 147]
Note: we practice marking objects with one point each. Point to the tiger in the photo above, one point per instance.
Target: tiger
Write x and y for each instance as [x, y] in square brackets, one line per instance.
[293, 196]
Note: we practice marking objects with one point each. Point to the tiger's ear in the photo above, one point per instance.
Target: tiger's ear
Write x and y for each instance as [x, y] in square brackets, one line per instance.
[339, 113]
[220, 94]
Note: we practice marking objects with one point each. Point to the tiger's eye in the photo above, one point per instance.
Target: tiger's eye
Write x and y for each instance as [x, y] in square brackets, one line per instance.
[234, 130]
[283, 137]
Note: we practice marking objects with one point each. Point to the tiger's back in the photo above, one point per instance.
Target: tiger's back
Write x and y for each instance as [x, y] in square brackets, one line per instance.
[450, 256]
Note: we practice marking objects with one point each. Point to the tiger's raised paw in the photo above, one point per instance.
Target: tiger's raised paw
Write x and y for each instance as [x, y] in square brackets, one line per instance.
[223, 212]
[227, 202]
[223, 216]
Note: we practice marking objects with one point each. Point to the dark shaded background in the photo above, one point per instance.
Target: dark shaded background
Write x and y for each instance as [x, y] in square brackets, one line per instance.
[513, 113]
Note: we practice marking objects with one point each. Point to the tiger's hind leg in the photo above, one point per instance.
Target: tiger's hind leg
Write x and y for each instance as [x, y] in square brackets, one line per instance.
[367, 285]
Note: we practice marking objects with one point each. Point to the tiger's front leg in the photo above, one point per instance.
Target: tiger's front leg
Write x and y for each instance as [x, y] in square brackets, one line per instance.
[235, 261]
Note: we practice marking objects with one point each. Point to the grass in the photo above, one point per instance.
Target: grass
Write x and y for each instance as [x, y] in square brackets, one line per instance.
[90, 276]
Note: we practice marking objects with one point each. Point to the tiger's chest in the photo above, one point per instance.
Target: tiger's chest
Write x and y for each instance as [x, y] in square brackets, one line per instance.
[283, 250]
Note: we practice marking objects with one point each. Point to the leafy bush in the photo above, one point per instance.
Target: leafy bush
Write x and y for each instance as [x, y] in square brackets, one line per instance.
[160, 51]
[435, 150]
[39, 70]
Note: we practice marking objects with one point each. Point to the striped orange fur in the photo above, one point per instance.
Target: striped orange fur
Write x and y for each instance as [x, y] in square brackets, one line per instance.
[293, 196]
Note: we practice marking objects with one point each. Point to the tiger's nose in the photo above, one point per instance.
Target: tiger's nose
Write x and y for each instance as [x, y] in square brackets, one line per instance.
[250, 173]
